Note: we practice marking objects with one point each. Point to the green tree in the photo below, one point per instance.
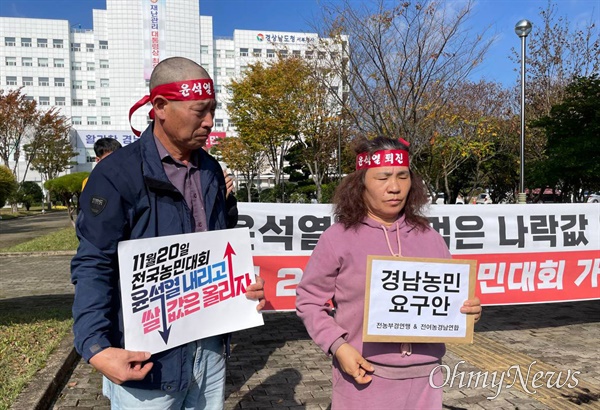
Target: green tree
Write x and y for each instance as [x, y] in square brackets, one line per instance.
[50, 151]
[572, 129]
[29, 193]
[8, 184]
[68, 189]
[244, 155]
[18, 116]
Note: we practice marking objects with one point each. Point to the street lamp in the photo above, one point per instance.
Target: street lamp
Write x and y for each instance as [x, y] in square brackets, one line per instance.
[522, 29]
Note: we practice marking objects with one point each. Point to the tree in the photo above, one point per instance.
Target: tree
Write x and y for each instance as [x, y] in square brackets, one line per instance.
[50, 150]
[572, 130]
[244, 155]
[29, 193]
[18, 115]
[8, 184]
[556, 55]
[66, 188]
[403, 60]
[264, 105]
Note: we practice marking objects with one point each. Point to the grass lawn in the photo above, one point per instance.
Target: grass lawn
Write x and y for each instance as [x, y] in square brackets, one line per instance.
[61, 240]
[29, 332]
[28, 335]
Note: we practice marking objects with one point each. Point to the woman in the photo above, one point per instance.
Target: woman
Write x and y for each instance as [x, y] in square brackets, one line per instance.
[378, 209]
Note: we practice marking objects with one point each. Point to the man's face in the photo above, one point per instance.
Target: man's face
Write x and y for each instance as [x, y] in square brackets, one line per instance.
[187, 124]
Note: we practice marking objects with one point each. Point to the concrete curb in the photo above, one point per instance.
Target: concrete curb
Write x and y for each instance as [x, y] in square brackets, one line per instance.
[42, 253]
[41, 392]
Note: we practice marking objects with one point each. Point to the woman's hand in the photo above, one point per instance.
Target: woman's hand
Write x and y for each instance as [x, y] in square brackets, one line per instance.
[353, 364]
[472, 307]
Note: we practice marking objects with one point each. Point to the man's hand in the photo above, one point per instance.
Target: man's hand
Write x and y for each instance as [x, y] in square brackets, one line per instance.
[256, 292]
[120, 365]
[228, 182]
[353, 364]
[472, 307]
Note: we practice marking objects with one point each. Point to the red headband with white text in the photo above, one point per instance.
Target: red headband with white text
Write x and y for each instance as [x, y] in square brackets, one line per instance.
[189, 90]
[384, 158]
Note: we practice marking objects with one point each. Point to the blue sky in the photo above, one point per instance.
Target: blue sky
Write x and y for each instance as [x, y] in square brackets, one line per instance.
[297, 15]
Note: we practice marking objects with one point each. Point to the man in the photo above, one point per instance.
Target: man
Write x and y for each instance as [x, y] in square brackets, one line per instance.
[162, 184]
[103, 148]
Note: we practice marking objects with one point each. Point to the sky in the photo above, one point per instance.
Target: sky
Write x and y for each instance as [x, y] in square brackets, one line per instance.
[499, 16]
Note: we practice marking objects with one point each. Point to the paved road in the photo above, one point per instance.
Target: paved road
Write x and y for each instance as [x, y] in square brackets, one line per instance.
[278, 366]
[18, 230]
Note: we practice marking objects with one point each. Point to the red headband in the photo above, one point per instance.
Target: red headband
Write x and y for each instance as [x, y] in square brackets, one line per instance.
[384, 158]
[189, 90]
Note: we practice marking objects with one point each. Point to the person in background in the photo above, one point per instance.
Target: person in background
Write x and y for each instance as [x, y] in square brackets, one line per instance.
[103, 147]
[379, 211]
[162, 184]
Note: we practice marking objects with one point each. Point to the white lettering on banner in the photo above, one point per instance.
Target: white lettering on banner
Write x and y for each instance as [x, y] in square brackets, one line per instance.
[589, 267]
[287, 287]
[88, 138]
[524, 276]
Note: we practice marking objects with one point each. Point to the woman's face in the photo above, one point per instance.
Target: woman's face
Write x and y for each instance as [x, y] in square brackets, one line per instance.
[386, 189]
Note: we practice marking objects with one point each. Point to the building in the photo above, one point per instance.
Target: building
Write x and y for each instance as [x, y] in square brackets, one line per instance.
[95, 75]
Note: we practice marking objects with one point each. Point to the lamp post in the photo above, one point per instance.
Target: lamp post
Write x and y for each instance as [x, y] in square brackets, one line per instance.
[522, 29]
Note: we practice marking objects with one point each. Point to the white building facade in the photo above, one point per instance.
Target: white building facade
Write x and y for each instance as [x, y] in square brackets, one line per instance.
[94, 76]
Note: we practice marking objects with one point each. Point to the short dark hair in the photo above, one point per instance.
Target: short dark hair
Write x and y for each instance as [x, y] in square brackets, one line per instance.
[349, 205]
[105, 146]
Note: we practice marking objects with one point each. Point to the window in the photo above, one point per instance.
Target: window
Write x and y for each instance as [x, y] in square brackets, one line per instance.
[11, 61]
[59, 82]
[27, 80]
[91, 103]
[103, 45]
[57, 43]
[296, 53]
[42, 42]
[78, 102]
[10, 80]
[283, 53]
[104, 64]
[44, 100]
[91, 66]
[218, 53]
[43, 81]
[322, 55]
[229, 54]
[308, 54]
[92, 121]
[77, 85]
[257, 52]
[59, 62]
[89, 47]
[104, 82]
[29, 98]
[76, 66]
[230, 71]
[42, 62]
[27, 61]
[217, 88]
[105, 120]
[10, 41]
[25, 41]
[75, 46]
[270, 53]
[219, 123]
[76, 120]
[91, 85]
[203, 49]
[59, 101]
[243, 69]
[243, 52]
[105, 102]
[219, 106]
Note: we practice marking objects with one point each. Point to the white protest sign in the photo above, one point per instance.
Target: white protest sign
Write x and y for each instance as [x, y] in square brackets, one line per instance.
[418, 300]
[180, 288]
